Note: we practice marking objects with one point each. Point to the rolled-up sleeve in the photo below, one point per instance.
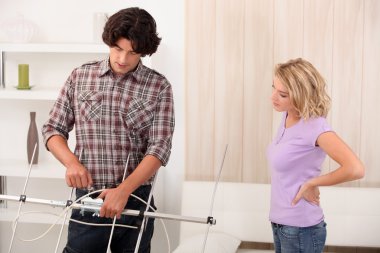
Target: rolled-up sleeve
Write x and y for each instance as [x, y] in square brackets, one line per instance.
[161, 132]
[61, 117]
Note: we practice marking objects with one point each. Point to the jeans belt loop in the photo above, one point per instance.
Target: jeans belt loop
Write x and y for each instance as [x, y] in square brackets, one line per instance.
[277, 225]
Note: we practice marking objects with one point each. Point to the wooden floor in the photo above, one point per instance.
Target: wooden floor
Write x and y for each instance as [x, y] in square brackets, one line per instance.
[330, 249]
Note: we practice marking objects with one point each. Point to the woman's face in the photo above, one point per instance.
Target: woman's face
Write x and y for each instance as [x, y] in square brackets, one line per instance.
[280, 97]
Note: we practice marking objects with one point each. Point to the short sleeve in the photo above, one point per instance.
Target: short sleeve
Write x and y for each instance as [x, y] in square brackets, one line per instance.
[317, 126]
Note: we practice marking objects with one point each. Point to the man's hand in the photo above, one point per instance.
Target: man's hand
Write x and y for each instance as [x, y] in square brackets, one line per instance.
[77, 176]
[114, 202]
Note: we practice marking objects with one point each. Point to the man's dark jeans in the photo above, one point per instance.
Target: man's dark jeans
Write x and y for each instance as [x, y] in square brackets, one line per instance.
[94, 239]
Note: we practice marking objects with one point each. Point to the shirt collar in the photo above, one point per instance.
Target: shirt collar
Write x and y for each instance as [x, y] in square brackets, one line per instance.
[105, 68]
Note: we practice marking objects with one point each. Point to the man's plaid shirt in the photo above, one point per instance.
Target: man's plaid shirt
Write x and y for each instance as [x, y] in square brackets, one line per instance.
[114, 117]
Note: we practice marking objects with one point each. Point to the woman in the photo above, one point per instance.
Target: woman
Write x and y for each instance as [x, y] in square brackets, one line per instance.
[296, 155]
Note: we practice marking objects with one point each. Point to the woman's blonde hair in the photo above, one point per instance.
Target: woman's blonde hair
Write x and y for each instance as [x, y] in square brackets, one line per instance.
[306, 87]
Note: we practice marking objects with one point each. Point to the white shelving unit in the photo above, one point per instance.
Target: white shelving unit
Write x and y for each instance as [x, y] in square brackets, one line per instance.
[19, 168]
[9, 215]
[53, 48]
[45, 48]
[35, 93]
[39, 97]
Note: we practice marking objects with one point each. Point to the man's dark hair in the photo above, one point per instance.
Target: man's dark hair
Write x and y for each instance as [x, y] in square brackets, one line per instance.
[135, 25]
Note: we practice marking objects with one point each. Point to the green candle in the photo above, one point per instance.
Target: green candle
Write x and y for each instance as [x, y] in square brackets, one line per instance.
[23, 76]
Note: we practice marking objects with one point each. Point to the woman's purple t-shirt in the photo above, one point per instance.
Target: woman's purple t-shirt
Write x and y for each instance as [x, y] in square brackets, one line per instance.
[293, 159]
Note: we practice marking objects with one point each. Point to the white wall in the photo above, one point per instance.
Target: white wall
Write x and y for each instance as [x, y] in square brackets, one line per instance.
[72, 21]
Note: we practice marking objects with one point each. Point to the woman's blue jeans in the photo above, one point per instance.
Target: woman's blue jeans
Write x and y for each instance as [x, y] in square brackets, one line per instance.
[94, 239]
[289, 239]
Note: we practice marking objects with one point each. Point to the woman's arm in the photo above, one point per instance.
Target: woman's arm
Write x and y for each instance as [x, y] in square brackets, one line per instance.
[351, 168]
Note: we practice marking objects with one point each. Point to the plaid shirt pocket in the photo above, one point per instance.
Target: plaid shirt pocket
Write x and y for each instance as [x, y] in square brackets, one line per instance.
[139, 114]
[90, 104]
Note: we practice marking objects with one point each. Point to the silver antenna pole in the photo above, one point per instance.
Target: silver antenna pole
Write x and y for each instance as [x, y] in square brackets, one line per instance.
[65, 217]
[22, 197]
[142, 228]
[213, 198]
[114, 218]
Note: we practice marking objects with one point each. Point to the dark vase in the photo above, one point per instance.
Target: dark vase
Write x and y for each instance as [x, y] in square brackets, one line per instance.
[32, 139]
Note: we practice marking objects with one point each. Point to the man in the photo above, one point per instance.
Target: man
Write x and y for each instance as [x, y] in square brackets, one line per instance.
[122, 111]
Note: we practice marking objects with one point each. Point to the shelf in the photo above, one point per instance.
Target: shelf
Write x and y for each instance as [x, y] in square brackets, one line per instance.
[10, 214]
[36, 93]
[54, 48]
[20, 168]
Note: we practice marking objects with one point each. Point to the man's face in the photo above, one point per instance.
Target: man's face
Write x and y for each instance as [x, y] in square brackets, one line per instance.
[122, 57]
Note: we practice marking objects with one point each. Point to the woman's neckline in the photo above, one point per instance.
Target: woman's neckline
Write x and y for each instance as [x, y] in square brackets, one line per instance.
[290, 121]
